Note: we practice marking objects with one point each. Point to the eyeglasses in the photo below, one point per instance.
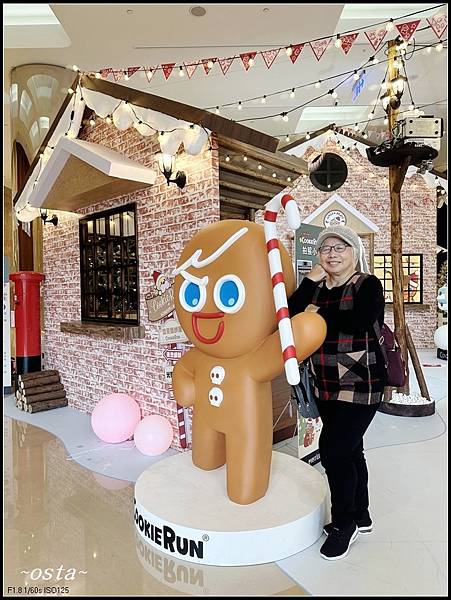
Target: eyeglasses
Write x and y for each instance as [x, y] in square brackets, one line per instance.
[338, 248]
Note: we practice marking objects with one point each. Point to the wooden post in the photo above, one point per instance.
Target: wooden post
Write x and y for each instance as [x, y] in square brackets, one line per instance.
[416, 365]
[396, 177]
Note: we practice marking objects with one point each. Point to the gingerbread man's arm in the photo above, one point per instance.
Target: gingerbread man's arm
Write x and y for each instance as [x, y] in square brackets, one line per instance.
[183, 379]
[309, 331]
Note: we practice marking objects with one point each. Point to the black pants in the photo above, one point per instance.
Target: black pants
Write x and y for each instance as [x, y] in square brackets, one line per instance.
[341, 451]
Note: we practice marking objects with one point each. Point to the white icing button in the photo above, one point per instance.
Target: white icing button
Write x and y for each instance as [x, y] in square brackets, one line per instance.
[217, 375]
[215, 396]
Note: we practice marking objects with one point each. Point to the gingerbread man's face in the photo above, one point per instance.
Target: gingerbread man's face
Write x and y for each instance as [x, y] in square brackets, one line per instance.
[223, 291]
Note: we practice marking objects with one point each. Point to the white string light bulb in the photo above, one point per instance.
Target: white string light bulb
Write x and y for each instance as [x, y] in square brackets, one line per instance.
[318, 84]
[356, 75]
[338, 41]
[439, 46]
[292, 94]
[181, 72]
[289, 50]
[264, 100]
[284, 117]
[390, 25]
[240, 106]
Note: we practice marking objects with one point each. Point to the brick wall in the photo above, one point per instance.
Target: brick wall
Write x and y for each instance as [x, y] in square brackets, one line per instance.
[366, 189]
[167, 217]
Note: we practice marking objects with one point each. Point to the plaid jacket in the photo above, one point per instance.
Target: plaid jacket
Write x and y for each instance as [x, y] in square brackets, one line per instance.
[349, 365]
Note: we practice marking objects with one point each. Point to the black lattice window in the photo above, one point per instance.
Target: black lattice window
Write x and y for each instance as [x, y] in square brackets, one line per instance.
[109, 266]
[412, 265]
[331, 174]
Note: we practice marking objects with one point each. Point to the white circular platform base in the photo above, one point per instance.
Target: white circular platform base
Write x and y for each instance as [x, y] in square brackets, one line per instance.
[185, 512]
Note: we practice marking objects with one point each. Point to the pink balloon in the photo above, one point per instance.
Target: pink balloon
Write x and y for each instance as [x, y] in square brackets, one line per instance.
[153, 435]
[115, 417]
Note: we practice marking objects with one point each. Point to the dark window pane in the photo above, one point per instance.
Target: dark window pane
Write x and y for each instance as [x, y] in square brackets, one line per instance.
[331, 173]
[109, 266]
[117, 252]
[129, 224]
[101, 254]
[100, 229]
[115, 225]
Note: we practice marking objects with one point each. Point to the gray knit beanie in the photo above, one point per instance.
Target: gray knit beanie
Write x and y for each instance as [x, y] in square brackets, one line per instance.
[350, 237]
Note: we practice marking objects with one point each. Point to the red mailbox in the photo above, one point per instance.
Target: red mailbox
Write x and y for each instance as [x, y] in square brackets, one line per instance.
[27, 303]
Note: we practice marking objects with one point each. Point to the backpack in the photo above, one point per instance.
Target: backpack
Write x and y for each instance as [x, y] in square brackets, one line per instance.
[394, 364]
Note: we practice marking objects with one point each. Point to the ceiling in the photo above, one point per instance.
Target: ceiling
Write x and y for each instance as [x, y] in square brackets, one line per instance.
[96, 36]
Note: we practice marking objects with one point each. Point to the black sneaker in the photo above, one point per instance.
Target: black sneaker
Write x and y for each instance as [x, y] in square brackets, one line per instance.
[338, 542]
[365, 526]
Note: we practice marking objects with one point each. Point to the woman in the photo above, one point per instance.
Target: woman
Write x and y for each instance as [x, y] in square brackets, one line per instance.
[349, 374]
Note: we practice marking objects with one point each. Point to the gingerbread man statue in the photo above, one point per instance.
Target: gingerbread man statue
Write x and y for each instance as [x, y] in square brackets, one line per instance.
[226, 297]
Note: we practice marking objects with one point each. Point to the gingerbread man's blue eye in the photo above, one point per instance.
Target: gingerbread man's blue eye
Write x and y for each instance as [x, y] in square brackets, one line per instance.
[229, 294]
[192, 296]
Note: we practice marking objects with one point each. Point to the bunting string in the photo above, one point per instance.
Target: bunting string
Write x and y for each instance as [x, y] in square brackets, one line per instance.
[375, 35]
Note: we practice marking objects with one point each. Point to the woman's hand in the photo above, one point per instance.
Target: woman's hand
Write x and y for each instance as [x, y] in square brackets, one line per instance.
[311, 308]
[317, 274]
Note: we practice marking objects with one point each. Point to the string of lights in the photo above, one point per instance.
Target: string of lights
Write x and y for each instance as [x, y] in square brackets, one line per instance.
[372, 61]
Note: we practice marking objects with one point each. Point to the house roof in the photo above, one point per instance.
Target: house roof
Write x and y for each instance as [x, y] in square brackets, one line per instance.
[80, 173]
[336, 198]
[241, 188]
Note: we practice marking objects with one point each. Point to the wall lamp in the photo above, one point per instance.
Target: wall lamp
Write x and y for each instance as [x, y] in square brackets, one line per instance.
[44, 217]
[166, 162]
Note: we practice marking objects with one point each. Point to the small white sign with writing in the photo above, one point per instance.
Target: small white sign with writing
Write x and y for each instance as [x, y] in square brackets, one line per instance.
[171, 332]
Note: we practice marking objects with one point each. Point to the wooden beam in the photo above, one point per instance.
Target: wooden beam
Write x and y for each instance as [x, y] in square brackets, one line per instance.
[301, 138]
[237, 202]
[192, 114]
[257, 176]
[227, 185]
[276, 159]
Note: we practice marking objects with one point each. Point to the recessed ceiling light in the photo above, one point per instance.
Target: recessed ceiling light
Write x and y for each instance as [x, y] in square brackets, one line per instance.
[197, 11]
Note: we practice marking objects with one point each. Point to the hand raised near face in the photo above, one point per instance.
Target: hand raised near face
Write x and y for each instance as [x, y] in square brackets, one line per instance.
[317, 274]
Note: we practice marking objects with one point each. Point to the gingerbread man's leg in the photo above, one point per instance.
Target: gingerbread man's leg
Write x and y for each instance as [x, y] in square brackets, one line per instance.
[248, 465]
[208, 446]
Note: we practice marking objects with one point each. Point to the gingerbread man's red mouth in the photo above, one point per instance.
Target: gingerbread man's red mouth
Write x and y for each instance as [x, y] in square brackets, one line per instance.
[197, 333]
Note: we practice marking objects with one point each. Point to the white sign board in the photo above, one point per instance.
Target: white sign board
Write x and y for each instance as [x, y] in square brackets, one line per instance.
[6, 337]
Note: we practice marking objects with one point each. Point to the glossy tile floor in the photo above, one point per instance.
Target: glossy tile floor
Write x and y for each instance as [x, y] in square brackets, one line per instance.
[77, 524]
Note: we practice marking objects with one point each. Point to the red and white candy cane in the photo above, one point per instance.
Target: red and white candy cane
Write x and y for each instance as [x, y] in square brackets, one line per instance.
[272, 208]
[180, 410]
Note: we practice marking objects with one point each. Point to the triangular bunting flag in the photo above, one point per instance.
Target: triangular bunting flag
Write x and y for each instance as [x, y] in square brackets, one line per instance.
[208, 64]
[132, 70]
[319, 47]
[439, 23]
[167, 69]
[376, 37]
[246, 57]
[269, 56]
[407, 29]
[149, 71]
[297, 49]
[347, 41]
[118, 75]
[225, 63]
[105, 72]
[190, 68]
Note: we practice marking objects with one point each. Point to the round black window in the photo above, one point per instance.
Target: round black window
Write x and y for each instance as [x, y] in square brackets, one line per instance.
[331, 173]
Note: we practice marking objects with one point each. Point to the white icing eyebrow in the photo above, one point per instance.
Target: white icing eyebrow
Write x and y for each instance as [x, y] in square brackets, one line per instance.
[194, 261]
[194, 279]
